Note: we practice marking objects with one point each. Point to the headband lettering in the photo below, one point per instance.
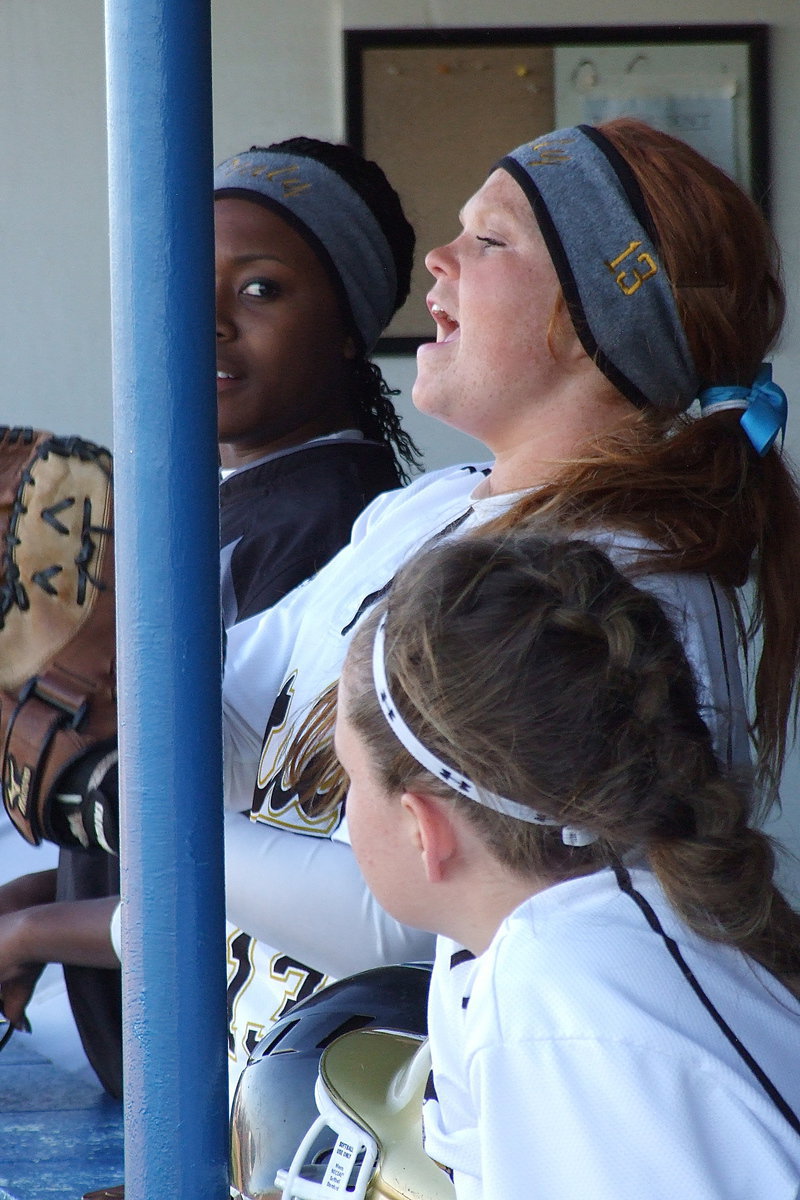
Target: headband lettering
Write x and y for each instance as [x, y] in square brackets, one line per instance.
[599, 234]
[335, 221]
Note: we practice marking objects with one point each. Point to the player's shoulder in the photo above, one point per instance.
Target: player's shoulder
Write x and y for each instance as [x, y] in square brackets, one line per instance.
[696, 607]
[566, 934]
[432, 488]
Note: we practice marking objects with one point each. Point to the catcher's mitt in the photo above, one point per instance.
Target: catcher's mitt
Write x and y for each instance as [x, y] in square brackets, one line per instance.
[57, 633]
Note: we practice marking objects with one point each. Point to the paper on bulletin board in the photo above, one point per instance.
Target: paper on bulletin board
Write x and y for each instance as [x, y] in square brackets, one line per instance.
[702, 114]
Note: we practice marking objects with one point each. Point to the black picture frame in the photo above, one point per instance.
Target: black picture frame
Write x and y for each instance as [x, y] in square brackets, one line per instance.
[436, 57]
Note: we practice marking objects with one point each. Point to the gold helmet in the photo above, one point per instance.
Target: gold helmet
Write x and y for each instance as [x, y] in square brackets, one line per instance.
[369, 1094]
[274, 1101]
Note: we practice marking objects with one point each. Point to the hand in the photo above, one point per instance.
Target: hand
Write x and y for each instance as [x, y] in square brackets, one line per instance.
[15, 996]
[17, 977]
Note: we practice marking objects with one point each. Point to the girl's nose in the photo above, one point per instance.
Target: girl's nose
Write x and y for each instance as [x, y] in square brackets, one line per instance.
[442, 260]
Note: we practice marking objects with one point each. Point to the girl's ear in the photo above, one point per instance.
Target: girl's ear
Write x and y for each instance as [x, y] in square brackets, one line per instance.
[432, 831]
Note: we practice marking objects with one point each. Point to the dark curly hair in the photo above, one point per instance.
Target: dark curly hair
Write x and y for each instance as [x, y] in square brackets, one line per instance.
[377, 416]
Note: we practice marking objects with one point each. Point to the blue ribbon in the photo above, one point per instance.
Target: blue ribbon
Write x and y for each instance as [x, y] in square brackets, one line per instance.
[766, 408]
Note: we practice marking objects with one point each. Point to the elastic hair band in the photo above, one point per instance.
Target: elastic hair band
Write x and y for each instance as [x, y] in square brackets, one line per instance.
[600, 236]
[331, 216]
[454, 779]
[765, 408]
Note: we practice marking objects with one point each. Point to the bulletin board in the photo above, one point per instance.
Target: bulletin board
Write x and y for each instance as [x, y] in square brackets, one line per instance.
[438, 107]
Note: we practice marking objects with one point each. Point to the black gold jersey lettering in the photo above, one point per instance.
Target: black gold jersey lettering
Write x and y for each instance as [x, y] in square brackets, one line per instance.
[275, 799]
[300, 982]
[240, 972]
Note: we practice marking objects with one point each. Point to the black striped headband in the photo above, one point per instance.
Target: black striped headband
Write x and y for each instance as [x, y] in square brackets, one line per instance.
[448, 775]
[601, 238]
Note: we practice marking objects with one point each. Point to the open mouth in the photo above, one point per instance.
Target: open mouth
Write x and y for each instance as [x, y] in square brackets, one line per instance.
[447, 327]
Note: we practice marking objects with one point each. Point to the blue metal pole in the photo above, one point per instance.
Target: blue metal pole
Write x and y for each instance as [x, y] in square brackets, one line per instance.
[161, 218]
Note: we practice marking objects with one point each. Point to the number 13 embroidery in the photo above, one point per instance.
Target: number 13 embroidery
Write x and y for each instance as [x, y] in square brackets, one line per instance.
[631, 278]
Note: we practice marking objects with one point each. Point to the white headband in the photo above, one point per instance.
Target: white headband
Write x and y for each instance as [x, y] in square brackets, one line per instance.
[454, 779]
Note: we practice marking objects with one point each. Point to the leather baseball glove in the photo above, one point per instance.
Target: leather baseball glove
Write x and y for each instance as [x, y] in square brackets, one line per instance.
[57, 620]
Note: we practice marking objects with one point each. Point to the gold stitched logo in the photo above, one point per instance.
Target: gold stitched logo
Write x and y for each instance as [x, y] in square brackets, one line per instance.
[287, 177]
[18, 786]
[550, 153]
[630, 278]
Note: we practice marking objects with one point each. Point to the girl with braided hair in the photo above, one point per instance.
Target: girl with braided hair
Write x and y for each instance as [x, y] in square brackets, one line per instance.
[615, 1004]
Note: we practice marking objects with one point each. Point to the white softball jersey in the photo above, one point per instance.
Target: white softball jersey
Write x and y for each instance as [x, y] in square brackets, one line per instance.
[573, 1059]
[300, 913]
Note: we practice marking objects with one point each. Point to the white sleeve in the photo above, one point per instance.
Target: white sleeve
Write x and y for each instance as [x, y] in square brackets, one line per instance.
[308, 896]
[261, 649]
[258, 654]
[115, 930]
[256, 658]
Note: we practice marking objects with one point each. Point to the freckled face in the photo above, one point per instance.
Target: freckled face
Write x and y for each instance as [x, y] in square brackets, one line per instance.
[282, 341]
[493, 298]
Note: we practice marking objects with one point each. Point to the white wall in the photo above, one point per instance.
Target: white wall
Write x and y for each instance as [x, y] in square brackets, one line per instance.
[54, 311]
[277, 72]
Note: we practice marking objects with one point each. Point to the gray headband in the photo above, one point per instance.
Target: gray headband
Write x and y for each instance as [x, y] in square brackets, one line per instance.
[333, 219]
[600, 236]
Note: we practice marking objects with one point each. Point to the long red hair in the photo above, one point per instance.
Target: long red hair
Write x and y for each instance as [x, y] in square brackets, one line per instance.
[696, 486]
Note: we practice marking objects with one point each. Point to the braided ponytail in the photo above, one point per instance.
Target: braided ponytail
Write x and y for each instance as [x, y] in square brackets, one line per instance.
[536, 669]
[720, 881]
